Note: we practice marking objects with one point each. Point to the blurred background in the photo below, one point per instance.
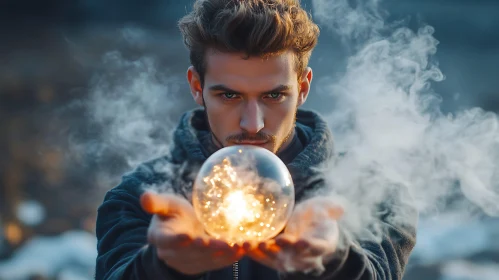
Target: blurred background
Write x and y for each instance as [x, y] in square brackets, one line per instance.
[53, 52]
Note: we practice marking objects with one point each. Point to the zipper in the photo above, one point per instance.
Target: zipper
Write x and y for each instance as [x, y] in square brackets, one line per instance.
[235, 271]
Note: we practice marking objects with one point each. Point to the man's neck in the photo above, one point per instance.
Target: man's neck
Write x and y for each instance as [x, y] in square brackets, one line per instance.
[287, 141]
[293, 147]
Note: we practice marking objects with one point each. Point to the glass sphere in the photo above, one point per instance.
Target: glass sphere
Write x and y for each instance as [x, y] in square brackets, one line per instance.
[243, 193]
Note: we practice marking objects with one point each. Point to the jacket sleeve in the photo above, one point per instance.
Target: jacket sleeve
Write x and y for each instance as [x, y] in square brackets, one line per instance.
[373, 260]
[121, 229]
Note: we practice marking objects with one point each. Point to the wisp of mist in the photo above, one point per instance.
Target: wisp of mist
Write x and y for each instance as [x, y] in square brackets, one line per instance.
[390, 133]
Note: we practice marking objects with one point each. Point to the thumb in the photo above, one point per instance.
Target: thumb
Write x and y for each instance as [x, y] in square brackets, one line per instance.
[335, 212]
[323, 207]
[163, 204]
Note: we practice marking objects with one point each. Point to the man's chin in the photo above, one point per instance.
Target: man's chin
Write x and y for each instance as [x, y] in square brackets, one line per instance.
[266, 145]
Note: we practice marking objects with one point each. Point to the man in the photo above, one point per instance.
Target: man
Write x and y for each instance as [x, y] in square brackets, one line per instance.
[249, 73]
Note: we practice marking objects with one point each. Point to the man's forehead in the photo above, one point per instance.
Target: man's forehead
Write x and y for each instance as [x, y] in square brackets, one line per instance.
[224, 66]
[217, 59]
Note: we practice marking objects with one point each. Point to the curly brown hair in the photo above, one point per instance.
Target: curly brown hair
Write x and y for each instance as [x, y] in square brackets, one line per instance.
[252, 27]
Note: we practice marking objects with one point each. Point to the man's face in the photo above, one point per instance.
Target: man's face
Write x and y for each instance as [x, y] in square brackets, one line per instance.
[251, 101]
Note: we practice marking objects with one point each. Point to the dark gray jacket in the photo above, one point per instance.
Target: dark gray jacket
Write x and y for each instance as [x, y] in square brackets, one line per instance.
[122, 225]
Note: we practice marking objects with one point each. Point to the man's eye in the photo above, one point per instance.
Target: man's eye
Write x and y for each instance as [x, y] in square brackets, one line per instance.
[275, 95]
[229, 95]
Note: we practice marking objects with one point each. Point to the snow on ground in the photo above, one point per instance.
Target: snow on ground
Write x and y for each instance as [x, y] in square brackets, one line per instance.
[452, 237]
[69, 256]
[462, 270]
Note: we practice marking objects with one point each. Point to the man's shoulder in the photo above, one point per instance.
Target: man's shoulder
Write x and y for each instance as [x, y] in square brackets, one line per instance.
[156, 174]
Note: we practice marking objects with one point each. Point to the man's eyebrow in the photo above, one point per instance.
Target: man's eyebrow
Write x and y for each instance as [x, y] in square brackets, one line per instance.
[221, 87]
[278, 89]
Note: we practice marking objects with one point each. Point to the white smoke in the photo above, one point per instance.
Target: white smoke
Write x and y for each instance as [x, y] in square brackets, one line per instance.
[135, 108]
[130, 109]
[387, 121]
[351, 20]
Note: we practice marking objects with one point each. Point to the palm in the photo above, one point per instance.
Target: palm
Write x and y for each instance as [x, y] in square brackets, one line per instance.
[310, 236]
[180, 238]
[315, 218]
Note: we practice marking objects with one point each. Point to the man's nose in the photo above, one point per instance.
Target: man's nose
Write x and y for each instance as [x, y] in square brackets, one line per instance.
[252, 118]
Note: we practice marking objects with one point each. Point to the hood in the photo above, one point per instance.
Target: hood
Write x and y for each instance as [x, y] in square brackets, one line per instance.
[311, 129]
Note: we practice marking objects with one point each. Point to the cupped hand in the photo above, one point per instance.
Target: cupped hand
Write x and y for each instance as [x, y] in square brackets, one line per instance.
[309, 240]
[180, 239]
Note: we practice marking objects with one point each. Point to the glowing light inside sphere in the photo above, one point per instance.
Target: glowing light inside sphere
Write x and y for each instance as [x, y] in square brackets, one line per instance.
[243, 193]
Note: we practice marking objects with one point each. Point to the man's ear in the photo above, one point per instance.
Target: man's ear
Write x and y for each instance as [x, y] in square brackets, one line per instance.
[304, 85]
[195, 85]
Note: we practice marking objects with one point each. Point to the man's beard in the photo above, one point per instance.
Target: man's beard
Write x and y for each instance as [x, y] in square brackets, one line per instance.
[290, 133]
[246, 137]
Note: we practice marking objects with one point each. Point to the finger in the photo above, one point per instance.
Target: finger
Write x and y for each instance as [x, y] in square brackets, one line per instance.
[163, 204]
[313, 247]
[225, 249]
[308, 265]
[148, 202]
[240, 250]
[321, 247]
[201, 246]
[218, 244]
[235, 251]
[332, 209]
[301, 246]
[156, 203]
[249, 246]
[258, 255]
[335, 212]
[324, 207]
[217, 250]
[285, 241]
[200, 242]
[270, 249]
[304, 247]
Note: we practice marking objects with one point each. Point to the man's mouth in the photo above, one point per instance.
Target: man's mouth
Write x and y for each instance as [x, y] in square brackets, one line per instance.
[251, 142]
